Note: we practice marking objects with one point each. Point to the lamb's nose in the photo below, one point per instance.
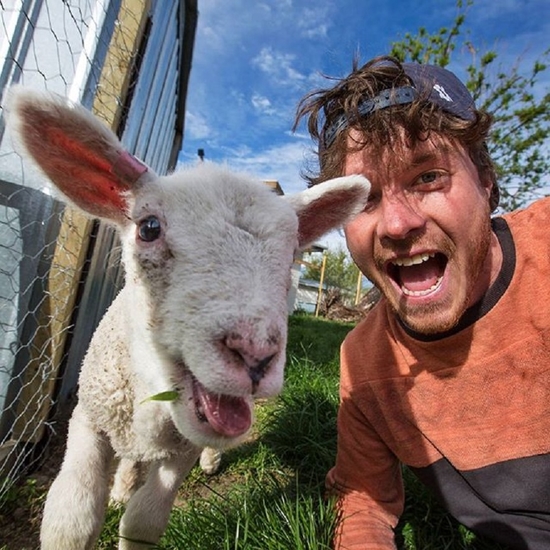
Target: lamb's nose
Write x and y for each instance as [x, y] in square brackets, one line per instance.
[256, 353]
[257, 371]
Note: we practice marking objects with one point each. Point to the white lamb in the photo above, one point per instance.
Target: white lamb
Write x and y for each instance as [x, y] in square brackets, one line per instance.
[203, 314]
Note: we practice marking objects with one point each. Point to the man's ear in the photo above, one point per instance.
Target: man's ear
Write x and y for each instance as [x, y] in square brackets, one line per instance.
[494, 195]
[328, 205]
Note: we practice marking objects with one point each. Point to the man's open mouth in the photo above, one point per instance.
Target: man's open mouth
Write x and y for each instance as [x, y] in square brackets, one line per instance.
[227, 415]
[418, 275]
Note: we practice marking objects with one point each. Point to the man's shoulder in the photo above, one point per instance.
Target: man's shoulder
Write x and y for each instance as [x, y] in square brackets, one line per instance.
[536, 211]
[529, 225]
[374, 321]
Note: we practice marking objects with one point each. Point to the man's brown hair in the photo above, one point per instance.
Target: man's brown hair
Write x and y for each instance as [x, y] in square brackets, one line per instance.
[383, 128]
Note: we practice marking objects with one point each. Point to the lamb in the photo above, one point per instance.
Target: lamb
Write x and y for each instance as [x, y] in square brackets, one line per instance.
[201, 320]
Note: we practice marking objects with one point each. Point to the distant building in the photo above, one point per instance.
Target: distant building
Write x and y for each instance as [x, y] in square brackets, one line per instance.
[307, 295]
[274, 184]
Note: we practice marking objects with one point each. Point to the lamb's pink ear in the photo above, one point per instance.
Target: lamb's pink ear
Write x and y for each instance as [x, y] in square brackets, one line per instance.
[81, 155]
[329, 205]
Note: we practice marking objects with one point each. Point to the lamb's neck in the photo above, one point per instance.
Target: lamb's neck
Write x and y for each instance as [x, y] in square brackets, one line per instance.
[148, 362]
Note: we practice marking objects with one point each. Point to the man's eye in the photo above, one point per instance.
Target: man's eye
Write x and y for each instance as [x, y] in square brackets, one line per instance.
[428, 177]
[429, 181]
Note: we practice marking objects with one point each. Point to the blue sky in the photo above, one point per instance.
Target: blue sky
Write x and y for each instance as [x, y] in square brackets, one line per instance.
[253, 61]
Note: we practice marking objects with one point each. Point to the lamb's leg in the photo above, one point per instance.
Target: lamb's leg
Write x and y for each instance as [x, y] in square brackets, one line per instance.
[129, 476]
[210, 460]
[148, 510]
[76, 502]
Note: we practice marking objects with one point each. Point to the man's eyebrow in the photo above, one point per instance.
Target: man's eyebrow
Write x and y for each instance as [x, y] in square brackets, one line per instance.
[429, 156]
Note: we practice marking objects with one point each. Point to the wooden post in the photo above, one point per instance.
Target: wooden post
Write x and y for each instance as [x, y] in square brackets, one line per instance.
[321, 280]
[359, 288]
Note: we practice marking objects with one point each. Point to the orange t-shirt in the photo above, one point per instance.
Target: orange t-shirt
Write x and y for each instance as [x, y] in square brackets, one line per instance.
[468, 411]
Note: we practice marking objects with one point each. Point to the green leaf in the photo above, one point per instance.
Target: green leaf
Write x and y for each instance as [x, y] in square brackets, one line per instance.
[170, 395]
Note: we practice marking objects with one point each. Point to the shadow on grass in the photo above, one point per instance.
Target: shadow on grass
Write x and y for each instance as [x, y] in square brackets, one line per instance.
[301, 431]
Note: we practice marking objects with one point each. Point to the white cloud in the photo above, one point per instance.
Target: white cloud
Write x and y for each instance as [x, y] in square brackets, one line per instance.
[317, 32]
[335, 240]
[262, 105]
[196, 126]
[315, 23]
[282, 163]
[278, 66]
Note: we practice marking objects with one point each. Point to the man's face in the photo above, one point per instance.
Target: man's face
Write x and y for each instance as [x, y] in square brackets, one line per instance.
[425, 237]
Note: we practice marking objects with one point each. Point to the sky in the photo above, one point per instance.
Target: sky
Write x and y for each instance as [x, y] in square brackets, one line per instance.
[254, 60]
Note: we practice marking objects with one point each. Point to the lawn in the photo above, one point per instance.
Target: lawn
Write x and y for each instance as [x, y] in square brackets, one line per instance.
[269, 492]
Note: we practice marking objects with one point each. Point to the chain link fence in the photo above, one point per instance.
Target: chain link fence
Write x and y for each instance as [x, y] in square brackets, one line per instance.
[128, 61]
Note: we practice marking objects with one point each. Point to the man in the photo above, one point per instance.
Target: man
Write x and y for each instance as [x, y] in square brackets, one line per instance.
[450, 372]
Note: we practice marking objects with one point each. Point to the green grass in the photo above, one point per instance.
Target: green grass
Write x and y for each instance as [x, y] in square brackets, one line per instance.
[269, 493]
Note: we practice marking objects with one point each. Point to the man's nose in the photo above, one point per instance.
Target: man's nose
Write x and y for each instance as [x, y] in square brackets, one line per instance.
[399, 218]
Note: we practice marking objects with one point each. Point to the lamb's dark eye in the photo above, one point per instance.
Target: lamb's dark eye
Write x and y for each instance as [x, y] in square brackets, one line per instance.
[149, 229]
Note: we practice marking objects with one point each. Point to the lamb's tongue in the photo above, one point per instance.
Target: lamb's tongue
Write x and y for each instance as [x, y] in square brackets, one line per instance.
[228, 415]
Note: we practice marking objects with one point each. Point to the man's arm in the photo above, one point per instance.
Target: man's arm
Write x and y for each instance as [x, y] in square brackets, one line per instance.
[367, 480]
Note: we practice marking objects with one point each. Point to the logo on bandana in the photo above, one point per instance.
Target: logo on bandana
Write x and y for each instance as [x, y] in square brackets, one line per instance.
[442, 93]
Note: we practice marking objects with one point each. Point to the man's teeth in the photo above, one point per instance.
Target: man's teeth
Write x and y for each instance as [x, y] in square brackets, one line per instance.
[416, 260]
[408, 292]
[413, 260]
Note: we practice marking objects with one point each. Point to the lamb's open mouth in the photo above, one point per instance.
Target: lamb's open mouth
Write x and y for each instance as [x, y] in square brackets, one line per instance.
[418, 275]
[227, 415]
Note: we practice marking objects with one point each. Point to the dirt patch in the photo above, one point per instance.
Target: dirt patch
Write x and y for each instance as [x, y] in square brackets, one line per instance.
[20, 520]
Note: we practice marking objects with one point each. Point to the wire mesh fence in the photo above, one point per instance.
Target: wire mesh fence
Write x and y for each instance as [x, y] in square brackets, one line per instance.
[127, 61]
